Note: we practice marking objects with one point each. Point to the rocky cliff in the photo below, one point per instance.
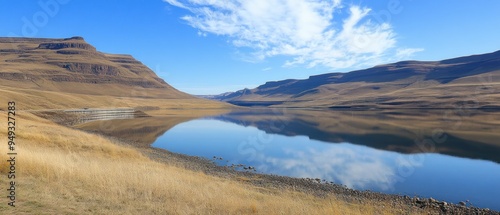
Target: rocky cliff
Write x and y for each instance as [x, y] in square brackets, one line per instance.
[72, 65]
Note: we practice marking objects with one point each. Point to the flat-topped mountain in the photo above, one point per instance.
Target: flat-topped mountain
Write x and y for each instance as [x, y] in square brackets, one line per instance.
[472, 81]
[41, 74]
[74, 66]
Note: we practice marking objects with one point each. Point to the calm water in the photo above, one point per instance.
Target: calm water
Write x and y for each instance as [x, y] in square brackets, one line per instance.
[447, 156]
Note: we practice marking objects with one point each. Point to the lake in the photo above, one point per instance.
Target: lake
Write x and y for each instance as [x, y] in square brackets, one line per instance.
[449, 155]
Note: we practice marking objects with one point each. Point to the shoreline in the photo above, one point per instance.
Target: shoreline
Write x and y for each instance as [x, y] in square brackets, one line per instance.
[276, 182]
[308, 186]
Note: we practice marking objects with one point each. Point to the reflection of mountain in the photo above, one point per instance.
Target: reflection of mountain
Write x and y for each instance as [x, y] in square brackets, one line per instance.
[475, 136]
[143, 131]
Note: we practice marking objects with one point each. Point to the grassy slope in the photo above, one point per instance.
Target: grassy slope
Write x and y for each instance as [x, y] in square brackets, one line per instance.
[61, 77]
[66, 171]
[402, 94]
[28, 99]
[443, 84]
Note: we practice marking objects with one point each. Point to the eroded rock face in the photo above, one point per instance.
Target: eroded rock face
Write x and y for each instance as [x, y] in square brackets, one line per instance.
[75, 38]
[96, 80]
[62, 45]
[89, 68]
[45, 62]
[76, 52]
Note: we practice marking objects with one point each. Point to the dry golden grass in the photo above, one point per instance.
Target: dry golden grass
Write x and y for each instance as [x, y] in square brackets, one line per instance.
[66, 171]
[28, 99]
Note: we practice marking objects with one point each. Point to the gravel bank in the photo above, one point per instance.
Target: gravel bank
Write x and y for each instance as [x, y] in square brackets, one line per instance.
[274, 182]
[310, 186]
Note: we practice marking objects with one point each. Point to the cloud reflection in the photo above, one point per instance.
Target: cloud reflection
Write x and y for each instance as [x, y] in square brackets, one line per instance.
[356, 167]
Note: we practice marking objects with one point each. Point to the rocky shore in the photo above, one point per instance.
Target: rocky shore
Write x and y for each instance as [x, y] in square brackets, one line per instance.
[311, 186]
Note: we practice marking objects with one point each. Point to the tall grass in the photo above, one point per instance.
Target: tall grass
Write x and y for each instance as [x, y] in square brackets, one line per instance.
[65, 171]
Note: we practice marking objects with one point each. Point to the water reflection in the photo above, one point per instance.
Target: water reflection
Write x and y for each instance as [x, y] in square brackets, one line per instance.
[354, 167]
[474, 135]
[434, 154]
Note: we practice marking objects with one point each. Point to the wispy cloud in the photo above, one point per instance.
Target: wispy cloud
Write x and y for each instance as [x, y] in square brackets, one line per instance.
[267, 69]
[308, 31]
[404, 53]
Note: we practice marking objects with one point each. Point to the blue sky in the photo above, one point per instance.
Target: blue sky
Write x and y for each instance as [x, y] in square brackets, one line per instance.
[210, 47]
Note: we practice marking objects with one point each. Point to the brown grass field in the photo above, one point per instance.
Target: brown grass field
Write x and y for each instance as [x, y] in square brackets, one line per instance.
[67, 171]
[28, 99]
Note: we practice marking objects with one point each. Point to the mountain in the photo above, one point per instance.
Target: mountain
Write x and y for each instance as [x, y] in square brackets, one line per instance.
[214, 97]
[70, 73]
[73, 65]
[465, 81]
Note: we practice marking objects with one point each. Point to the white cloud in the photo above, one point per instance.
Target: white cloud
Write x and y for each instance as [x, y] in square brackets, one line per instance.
[202, 34]
[359, 168]
[176, 3]
[308, 31]
[405, 53]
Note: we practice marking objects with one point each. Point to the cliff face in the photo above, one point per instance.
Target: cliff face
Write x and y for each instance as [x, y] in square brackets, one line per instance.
[72, 65]
[74, 42]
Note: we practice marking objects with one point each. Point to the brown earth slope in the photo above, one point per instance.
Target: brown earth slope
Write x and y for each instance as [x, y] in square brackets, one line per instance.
[472, 81]
[70, 73]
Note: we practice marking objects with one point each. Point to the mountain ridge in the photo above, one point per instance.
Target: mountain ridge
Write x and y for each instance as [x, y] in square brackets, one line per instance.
[53, 64]
[67, 73]
[372, 87]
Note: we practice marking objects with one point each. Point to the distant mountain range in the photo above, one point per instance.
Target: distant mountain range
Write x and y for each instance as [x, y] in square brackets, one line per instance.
[472, 81]
[214, 97]
[73, 66]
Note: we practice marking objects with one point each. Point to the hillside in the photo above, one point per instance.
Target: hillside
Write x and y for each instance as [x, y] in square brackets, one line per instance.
[70, 73]
[472, 81]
